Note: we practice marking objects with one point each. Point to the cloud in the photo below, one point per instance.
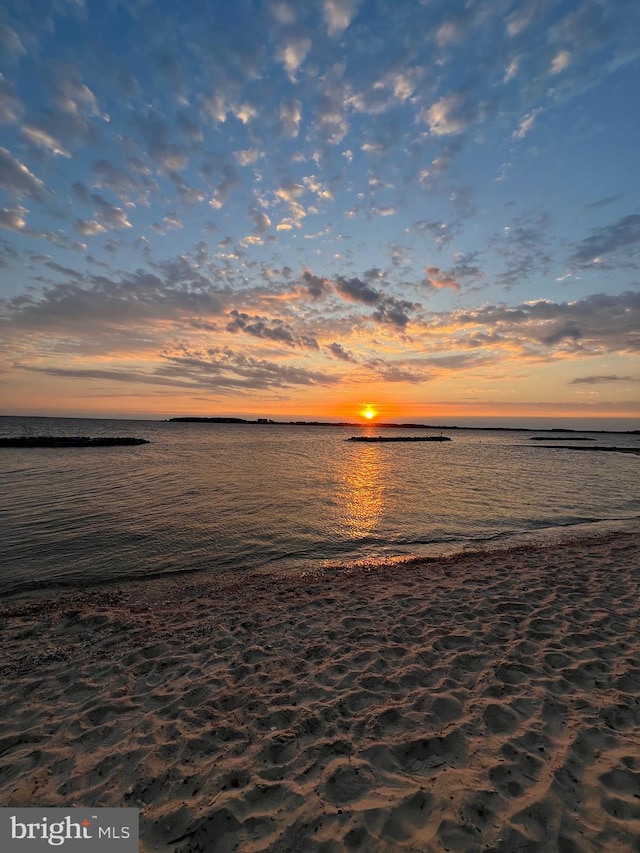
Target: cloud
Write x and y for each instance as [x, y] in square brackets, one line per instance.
[289, 192]
[439, 280]
[10, 43]
[187, 194]
[602, 202]
[261, 222]
[403, 85]
[331, 109]
[113, 375]
[525, 247]
[597, 324]
[454, 113]
[622, 236]
[88, 306]
[71, 95]
[389, 310]
[339, 352]
[88, 227]
[600, 380]
[314, 185]
[373, 274]
[171, 220]
[11, 106]
[283, 12]
[522, 17]
[67, 272]
[244, 112]
[216, 107]
[215, 369]
[526, 124]
[109, 215]
[224, 187]
[338, 14]
[355, 290]
[443, 117]
[589, 26]
[13, 219]
[511, 70]
[448, 33]
[294, 52]
[42, 138]
[393, 311]
[316, 286]
[247, 156]
[106, 174]
[466, 268]
[291, 116]
[272, 329]
[439, 164]
[227, 370]
[191, 131]
[69, 120]
[18, 180]
[460, 22]
[155, 131]
[390, 372]
[560, 61]
[442, 232]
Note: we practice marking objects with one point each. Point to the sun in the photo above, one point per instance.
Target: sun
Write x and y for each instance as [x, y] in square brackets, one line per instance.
[369, 413]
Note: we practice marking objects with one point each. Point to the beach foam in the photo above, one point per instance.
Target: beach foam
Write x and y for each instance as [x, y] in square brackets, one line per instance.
[479, 702]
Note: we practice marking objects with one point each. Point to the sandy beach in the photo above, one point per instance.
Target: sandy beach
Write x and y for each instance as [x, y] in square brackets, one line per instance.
[489, 702]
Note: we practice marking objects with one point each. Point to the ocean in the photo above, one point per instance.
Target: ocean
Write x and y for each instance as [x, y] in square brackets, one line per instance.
[238, 497]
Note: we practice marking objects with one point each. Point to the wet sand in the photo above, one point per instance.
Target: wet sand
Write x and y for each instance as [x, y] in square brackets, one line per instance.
[488, 702]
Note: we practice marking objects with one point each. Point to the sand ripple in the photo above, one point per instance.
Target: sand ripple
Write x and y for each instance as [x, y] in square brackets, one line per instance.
[485, 703]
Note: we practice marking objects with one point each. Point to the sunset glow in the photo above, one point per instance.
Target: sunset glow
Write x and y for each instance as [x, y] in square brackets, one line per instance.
[272, 209]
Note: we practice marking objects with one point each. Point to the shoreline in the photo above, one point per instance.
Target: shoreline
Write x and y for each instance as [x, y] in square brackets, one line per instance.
[484, 701]
[293, 567]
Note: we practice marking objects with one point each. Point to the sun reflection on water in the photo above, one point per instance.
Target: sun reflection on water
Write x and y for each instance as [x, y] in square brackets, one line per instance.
[362, 495]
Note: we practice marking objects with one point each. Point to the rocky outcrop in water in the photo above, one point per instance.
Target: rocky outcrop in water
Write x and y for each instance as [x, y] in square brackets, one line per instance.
[370, 438]
[68, 441]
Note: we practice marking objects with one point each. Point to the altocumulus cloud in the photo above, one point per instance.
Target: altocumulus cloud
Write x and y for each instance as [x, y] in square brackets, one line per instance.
[102, 302]
[231, 371]
[202, 188]
[388, 309]
[602, 380]
[272, 329]
[17, 180]
[622, 237]
[596, 324]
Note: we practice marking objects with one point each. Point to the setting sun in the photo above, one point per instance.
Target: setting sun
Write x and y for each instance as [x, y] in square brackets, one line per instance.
[369, 413]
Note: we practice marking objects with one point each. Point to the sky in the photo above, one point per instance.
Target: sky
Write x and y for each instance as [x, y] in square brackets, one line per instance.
[270, 208]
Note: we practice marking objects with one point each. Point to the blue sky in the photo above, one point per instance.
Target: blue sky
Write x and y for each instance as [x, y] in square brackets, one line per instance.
[298, 208]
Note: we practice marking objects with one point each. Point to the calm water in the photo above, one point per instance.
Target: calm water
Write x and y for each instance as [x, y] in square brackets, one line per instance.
[228, 498]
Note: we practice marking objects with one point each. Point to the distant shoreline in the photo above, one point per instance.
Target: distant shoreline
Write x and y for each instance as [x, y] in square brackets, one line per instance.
[559, 430]
[351, 424]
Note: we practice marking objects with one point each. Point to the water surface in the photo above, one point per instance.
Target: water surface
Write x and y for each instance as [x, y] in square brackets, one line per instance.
[235, 497]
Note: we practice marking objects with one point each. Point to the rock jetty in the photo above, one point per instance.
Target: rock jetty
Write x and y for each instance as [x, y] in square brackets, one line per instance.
[68, 441]
[371, 438]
